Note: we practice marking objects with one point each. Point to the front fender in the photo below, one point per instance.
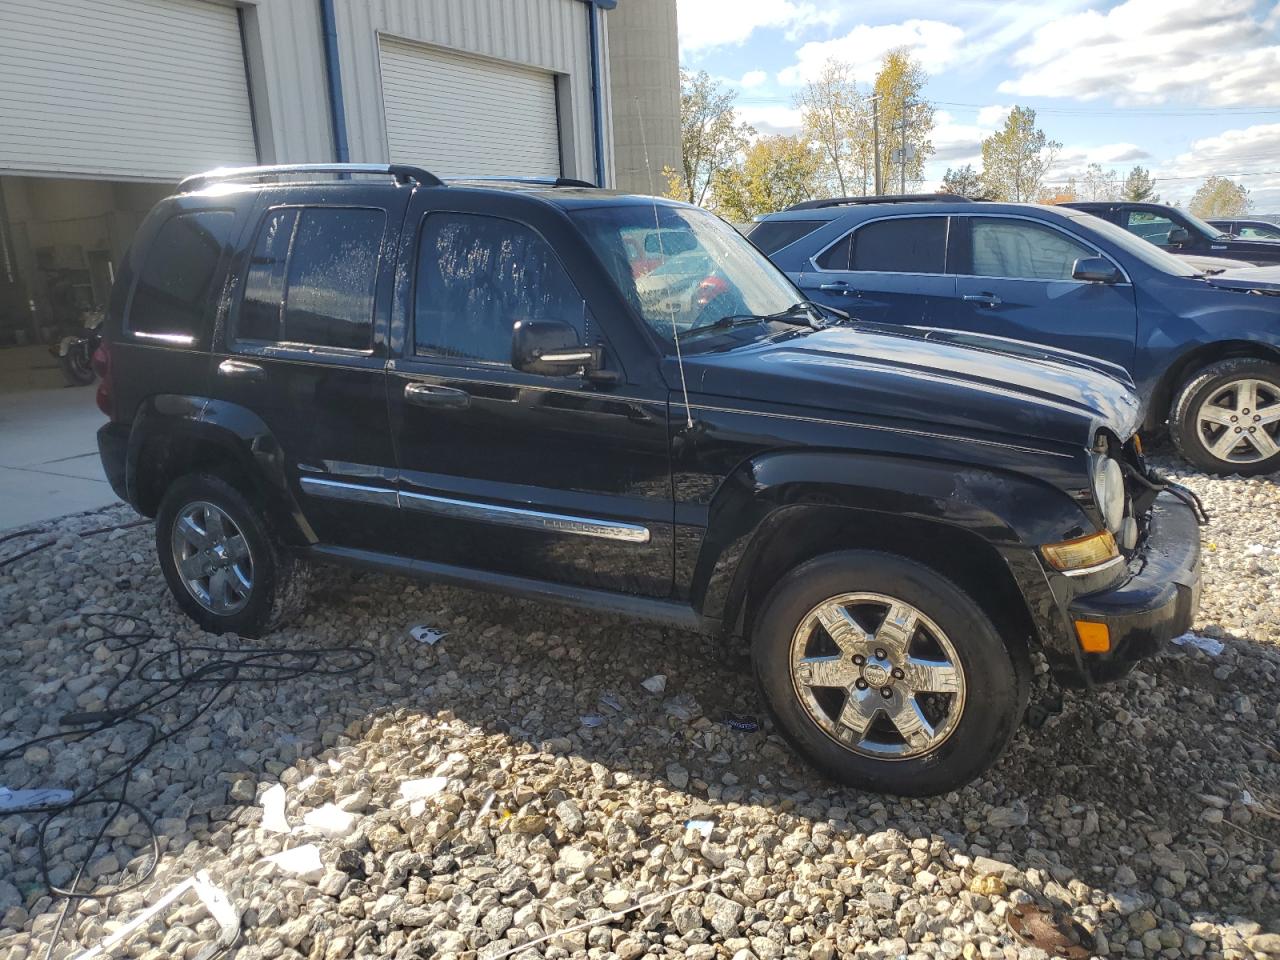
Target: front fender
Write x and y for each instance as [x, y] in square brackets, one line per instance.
[172, 431]
[1011, 513]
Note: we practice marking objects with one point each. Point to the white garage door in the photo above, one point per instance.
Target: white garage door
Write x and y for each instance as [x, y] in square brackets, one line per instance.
[129, 89]
[465, 116]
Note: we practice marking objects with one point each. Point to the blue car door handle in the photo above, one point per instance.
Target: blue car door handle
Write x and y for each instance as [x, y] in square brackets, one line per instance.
[839, 287]
[990, 299]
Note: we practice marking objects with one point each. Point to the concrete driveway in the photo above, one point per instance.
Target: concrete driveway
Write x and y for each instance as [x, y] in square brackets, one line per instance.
[48, 449]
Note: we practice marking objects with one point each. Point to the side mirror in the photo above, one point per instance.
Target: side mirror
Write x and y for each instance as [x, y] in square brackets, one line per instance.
[1096, 270]
[550, 348]
[1178, 236]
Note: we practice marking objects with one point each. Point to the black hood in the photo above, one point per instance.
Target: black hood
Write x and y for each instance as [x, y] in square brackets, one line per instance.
[887, 375]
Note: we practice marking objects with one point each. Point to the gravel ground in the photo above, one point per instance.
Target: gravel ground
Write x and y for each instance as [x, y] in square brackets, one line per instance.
[1148, 813]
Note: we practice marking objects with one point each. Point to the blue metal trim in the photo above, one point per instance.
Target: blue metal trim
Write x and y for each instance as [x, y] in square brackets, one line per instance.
[333, 76]
[597, 107]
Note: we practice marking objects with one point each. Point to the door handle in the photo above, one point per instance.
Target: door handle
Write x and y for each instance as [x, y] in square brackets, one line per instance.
[990, 299]
[241, 370]
[440, 398]
[838, 287]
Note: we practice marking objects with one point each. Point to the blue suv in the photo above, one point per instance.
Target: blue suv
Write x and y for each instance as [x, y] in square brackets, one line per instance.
[1203, 350]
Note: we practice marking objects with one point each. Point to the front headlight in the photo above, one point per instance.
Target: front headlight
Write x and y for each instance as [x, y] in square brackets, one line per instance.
[1108, 491]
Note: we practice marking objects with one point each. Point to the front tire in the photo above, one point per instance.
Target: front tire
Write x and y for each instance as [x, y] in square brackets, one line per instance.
[885, 675]
[223, 567]
[77, 368]
[1226, 418]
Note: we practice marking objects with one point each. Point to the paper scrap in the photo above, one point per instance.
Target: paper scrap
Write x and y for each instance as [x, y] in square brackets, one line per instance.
[330, 820]
[422, 789]
[655, 684]
[1204, 644]
[428, 635]
[303, 862]
[273, 818]
[703, 827]
[33, 799]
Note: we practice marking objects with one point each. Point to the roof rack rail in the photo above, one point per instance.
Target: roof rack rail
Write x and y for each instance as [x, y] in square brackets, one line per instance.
[536, 181]
[889, 198]
[402, 172]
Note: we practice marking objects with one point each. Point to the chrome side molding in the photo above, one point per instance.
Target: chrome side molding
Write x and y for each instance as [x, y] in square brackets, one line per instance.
[478, 512]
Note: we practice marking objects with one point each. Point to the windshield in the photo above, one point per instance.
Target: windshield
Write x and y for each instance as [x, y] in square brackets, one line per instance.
[683, 268]
[1208, 229]
[1147, 252]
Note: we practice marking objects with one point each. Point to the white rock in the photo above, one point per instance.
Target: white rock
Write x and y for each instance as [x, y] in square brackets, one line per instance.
[655, 684]
[331, 821]
[273, 818]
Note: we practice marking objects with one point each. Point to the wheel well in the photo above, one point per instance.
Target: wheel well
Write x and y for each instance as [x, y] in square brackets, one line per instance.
[168, 457]
[800, 533]
[1186, 366]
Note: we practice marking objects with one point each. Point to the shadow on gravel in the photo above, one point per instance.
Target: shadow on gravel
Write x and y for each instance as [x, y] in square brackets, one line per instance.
[1141, 806]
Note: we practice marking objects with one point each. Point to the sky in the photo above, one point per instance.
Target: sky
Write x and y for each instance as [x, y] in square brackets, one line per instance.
[1186, 88]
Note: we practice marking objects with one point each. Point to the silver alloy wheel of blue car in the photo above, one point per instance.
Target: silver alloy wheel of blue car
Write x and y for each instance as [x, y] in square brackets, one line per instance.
[212, 558]
[1240, 423]
[877, 676]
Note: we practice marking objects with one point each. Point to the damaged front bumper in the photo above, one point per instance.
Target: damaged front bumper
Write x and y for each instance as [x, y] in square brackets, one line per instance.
[1154, 602]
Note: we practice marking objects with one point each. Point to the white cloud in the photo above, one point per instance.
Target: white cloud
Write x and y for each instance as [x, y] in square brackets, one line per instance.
[955, 144]
[770, 118]
[934, 43]
[705, 24]
[1248, 155]
[993, 116]
[752, 79]
[1151, 51]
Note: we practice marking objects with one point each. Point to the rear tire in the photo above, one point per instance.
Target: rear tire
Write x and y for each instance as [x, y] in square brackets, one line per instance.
[77, 370]
[953, 671]
[1201, 418]
[222, 565]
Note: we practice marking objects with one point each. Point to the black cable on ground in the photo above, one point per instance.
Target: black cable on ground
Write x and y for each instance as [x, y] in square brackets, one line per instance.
[170, 673]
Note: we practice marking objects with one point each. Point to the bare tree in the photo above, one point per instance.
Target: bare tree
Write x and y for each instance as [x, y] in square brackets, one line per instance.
[711, 138]
[837, 121]
[1099, 184]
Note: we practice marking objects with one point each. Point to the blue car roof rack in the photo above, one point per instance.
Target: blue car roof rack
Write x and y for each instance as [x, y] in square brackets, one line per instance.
[403, 173]
[893, 198]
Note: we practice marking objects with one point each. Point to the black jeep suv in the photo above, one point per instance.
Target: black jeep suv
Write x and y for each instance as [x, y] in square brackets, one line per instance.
[616, 402]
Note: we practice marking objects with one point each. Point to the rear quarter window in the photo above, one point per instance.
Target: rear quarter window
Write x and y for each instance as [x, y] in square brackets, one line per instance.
[770, 236]
[175, 284]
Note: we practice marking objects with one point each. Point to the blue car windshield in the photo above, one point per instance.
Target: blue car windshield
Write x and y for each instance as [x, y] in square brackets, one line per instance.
[682, 268]
[1147, 252]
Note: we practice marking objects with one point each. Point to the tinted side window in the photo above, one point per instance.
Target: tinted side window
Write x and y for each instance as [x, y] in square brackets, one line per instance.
[174, 284]
[1150, 227]
[477, 276]
[773, 235]
[1018, 249]
[260, 311]
[836, 256]
[312, 278]
[903, 245]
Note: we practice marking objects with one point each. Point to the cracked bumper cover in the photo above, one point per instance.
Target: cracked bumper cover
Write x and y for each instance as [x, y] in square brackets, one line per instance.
[1156, 601]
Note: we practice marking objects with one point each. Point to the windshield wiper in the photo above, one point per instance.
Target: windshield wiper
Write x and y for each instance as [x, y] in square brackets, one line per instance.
[789, 315]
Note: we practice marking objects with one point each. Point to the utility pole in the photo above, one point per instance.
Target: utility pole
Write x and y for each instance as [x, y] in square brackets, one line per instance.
[875, 139]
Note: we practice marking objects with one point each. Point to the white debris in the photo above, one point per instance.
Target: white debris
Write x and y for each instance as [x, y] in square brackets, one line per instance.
[422, 789]
[273, 818]
[32, 799]
[303, 862]
[428, 635]
[655, 684]
[331, 821]
[703, 827]
[1247, 799]
[591, 720]
[306, 783]
[1204, 644]
[487, 805]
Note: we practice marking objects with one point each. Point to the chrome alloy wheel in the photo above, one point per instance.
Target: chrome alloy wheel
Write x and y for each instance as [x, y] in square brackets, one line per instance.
[877, 676]
[212, 558]
[1241, 422]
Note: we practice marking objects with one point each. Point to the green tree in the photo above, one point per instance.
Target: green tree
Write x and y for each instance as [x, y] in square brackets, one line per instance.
[711, 138]
[1220, 197]
[1139, 187]
[1016, 158]
[964, 182]
[836, 119]
[775, 172]
[906, 120]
